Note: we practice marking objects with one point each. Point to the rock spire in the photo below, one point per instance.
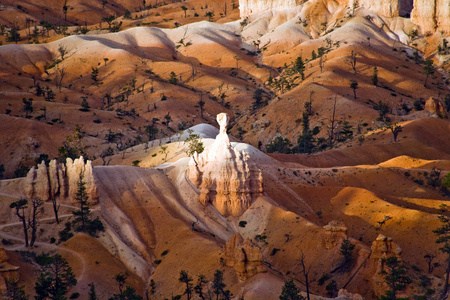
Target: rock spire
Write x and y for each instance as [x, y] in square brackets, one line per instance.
[226, 177]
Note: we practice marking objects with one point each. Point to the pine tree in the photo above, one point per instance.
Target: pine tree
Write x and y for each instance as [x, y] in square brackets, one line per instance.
[396, 278]
[186, 279]
[300, 67]
[428, 69]
[290, 291]
[125, 292]
[55, 279]
[219, 285]
[81, 215]
[354, 86]
[443, 234]
[14, 291]
[92, 294]
[375, 76]
[346, 251]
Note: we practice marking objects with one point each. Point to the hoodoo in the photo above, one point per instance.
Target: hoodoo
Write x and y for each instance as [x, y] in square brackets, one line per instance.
[226, 177]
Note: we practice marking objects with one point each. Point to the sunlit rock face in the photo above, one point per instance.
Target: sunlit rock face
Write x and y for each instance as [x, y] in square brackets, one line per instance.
[225, 177]
[428, 15]
[248, 7]
[382, 248]
[385, 8]
[60, 180]
[432, 16]
[243, 256]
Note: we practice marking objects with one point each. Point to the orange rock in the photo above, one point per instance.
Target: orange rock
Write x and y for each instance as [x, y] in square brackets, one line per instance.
[435, 106]
[7, 271]
[335, 232]
[243, 256]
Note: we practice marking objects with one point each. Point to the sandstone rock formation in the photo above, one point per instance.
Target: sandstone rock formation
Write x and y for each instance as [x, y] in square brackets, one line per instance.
[243, 256]
[436, 107]
[335, 232]
[432, 15]
[382, 248]
[226, 177]
[60, 181]
[248, 7]
[7, 271]
[429, 15]
[385, 8]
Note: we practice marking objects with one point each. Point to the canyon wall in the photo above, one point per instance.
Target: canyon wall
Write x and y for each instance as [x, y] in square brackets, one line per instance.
[432, 16]
[386, 8]
[429, 15]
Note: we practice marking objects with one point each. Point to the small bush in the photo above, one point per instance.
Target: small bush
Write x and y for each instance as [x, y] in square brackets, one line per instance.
[165, 252]
[323, 279]
[6, 242]
[418, 181]
[66, 233]
[274, 251]
[260, 238]
[242, 224]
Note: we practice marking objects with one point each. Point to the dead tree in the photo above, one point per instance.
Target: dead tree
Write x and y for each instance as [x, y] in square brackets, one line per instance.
[36, 209]
[305, 271]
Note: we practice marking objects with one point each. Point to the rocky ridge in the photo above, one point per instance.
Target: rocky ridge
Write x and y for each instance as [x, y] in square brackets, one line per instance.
[60, 180]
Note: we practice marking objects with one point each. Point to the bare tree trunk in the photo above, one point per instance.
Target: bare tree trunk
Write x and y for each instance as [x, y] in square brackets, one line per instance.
[25, 227]
[37, 209]
[305, 272]
[55, 208]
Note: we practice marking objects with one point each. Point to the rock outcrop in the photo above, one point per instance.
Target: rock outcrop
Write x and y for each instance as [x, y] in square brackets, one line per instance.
[225, 177]
[243, 256]
[248, 7]
[382, 248]
[60, 180]
[8, 272]
[385, 8]
[431, 15]
[335, 232]
[436, 107]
